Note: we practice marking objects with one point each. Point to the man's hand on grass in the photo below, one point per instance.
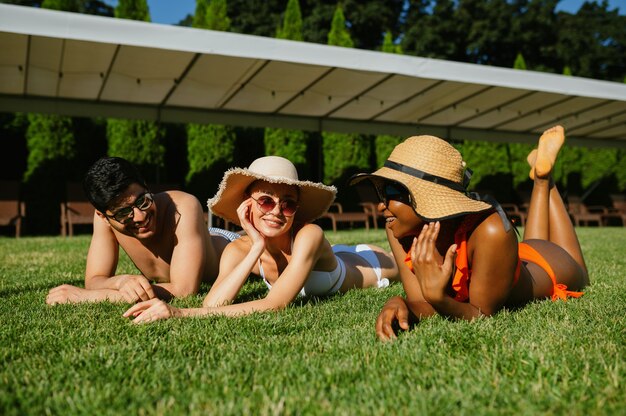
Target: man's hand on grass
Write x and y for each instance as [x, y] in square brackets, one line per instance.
[68, 294]
[135, 288]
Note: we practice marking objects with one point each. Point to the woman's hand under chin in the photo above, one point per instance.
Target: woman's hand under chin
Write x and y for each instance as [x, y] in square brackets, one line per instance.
[244, 213]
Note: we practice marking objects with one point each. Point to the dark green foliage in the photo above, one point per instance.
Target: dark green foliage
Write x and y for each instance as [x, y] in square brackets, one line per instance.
[210, 150]
[13, 141]
[519, 167]
[51, 151]
[593, 42]
[30, 3]
[502, 167]
[484, 159]
[290, 144]
[96, 7]
[49, 139]
[344, 155]
[533, 31]
[433, 34]
[65, 5]
[133, 9]
[139, 142]
[589, 165]
[384, 146]
[619, 171]
[208, 144]
[368, 20]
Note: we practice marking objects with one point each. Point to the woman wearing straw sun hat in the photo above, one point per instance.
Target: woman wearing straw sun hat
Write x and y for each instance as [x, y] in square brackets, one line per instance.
[281, 245]
[456, 252]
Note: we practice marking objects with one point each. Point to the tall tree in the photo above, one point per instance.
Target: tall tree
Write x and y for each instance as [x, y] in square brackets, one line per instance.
[339, 35]
[389, 45]
[520, 62]
[292, 22]
[344, 154]
[138, 141]
[210, 147]
[290, 144]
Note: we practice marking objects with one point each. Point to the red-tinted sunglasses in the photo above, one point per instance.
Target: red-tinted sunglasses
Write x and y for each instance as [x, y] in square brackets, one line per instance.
[267, 204]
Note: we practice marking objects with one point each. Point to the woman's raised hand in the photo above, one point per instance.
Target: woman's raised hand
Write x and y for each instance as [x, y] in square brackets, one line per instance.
[431, 269]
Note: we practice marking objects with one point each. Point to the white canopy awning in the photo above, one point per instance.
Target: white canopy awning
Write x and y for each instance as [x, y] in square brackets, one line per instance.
[84, 65]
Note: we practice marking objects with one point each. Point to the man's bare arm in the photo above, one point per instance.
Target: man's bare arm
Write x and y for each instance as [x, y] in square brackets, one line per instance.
[75, 294]
[189, 254]
[102, 257]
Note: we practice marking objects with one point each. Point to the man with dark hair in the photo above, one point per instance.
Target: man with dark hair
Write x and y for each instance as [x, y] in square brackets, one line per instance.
[164, 235]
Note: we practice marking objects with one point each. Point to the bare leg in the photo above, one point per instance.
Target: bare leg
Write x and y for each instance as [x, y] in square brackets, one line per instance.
[538, 220]
[547, 216]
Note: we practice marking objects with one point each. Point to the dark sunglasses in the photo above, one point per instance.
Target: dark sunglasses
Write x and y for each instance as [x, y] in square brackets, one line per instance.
[126, 214]
[389, 191]
[267, 204]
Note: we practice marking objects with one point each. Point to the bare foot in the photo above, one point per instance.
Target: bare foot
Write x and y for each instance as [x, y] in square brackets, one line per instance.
[531, 159]
[550, 143]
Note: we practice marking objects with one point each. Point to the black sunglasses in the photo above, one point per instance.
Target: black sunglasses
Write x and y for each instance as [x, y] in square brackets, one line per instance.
[126, 214]
[267, 204]
[390, 191]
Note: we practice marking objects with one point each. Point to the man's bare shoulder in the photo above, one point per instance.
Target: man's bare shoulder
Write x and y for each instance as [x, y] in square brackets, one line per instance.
[179, 197]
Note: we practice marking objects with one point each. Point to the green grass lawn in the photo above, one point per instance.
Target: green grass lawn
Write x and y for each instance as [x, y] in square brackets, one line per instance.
[316, 357]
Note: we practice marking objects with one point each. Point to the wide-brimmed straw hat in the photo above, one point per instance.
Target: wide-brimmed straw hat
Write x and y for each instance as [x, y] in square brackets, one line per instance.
[434, 173]
[314, 198]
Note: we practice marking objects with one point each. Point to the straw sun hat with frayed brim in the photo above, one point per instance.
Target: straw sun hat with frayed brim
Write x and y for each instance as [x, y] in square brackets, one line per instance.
[434, 174]
[313, 201]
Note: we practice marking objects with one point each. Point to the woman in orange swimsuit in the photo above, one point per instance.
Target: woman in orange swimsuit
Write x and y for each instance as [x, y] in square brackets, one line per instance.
[457, 253]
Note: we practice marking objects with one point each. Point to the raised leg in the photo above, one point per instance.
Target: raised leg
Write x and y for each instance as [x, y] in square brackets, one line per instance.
[547, 216]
